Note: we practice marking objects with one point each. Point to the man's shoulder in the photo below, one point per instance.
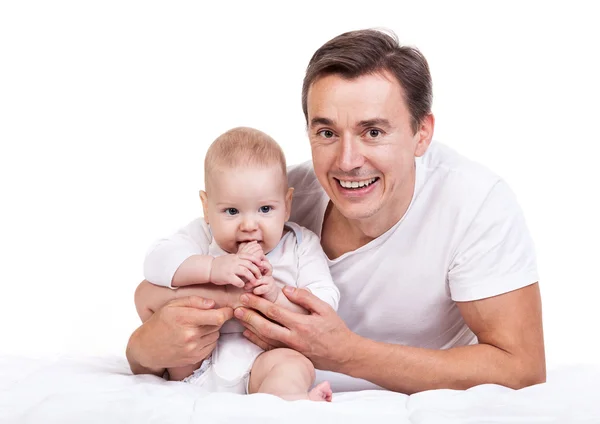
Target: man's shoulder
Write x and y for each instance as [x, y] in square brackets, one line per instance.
[457, 172]
[302, 234]
[303, 179]
[309, 197]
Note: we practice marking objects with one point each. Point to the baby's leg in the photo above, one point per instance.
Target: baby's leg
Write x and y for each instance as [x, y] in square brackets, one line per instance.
[287, 374]
[149, 298]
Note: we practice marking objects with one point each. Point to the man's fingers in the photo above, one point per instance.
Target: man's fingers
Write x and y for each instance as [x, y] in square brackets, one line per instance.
[211, 329]
[211, 337]
[192, 302]
[277, 313]
[261, 326]
[204, 352]
[257, 340]
[262, 341]
[307, 300]
[216, 317]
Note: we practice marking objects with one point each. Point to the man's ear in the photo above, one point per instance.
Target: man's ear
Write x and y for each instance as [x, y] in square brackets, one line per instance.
[288, 203]
[424, 135]
[204, 200]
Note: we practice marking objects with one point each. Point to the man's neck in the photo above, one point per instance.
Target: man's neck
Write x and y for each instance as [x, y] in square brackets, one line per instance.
[372, 227]
[341, 235]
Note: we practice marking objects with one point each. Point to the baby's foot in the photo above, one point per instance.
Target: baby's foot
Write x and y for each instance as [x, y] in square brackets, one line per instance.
[321, 392]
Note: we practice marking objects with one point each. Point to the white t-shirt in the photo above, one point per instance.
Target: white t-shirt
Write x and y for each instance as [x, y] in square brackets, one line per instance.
[462, 238]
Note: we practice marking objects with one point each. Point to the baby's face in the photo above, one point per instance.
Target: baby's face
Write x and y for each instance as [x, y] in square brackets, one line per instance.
[247, 204]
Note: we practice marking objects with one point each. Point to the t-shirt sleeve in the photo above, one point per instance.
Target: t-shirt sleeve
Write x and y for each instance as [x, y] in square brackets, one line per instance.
[313, 270]
[496, 254]
[167, 254]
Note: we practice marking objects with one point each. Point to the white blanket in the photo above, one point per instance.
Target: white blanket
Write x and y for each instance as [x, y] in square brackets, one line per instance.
[102, 390]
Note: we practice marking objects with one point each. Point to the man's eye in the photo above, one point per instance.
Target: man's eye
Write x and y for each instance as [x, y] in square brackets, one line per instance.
[265, 209]
[231, 211]
[326, 133]
[374, 133]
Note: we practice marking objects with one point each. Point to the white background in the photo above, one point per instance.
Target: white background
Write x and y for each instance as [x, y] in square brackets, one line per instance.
[107, 108]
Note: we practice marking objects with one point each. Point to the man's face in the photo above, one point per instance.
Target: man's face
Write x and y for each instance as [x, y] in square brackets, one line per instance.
[363, 147]
[247, 204]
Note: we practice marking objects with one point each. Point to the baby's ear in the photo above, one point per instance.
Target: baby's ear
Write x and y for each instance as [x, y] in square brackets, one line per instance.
[204, 200]
[288, 203]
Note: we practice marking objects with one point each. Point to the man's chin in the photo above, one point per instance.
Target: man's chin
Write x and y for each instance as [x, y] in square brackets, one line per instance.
[357, 210]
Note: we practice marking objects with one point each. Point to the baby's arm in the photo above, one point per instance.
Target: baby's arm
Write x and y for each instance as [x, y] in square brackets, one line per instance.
[182, 260]
[234, 269]
[186, 249]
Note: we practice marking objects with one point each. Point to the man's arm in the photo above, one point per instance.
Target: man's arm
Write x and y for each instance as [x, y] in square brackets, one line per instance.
[509, 329]
[510, 350]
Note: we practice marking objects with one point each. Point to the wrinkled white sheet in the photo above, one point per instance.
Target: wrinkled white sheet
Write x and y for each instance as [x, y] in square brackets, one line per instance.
[68, 389]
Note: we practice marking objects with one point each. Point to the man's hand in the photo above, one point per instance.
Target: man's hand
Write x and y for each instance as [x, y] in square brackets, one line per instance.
[321, 336]
[183, 332]
[235, 269]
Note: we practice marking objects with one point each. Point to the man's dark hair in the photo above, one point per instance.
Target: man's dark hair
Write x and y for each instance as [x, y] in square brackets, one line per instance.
[357, 53]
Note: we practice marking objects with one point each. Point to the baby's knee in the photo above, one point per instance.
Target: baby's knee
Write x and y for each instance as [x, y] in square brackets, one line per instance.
[141, 295]
[283, 357]
[146, 298]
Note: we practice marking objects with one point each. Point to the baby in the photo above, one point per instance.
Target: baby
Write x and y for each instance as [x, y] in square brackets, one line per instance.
[243, 243]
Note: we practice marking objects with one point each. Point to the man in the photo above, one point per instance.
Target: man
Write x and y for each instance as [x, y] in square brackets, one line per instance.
[430, 251]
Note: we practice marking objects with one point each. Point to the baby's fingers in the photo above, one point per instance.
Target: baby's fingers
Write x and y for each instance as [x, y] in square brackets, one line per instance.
[266, 268]
[245, 273]
[234, 280]
[252, 284]
[252, 268]
[251, 258]
[260, 290]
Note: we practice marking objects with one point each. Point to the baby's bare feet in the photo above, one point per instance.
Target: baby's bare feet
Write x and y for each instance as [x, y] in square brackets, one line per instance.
[321, 392]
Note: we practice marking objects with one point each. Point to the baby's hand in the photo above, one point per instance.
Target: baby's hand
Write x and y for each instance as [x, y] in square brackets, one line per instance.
[265, 287]
[234, 269]
[253, 249]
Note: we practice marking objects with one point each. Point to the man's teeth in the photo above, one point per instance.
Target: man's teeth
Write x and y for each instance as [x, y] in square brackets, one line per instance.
[356, 184]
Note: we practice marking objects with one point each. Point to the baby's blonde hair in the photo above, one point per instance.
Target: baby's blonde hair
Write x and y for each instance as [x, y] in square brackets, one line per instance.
[243, 146]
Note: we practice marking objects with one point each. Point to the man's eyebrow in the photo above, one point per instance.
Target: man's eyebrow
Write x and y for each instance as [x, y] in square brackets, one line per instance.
[375, 122]
[320, 121]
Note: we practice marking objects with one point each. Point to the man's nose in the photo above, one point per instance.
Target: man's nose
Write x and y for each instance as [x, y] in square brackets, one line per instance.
[350, 154]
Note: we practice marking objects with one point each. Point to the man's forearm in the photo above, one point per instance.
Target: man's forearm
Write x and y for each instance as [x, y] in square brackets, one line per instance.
[409, 370]
[133, 359]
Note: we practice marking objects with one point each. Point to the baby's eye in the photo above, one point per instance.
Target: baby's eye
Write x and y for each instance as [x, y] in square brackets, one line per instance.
[265, 209]
[231, 211]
